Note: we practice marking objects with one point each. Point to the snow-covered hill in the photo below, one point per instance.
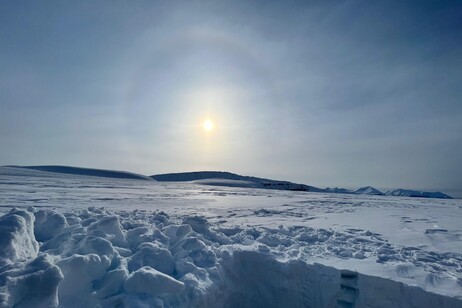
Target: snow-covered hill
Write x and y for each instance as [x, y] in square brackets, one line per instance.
[220, 178]
[415, 193]
[87, 171]
[368, 190]
[337, 190]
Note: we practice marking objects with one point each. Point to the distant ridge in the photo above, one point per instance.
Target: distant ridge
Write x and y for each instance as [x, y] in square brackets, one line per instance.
[415, 193]
[199, 175]
[221, 178]
[337, 190]
[369, 190]
[87, 171]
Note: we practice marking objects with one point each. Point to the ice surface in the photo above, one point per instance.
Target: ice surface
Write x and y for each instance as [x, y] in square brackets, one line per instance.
[86, 242]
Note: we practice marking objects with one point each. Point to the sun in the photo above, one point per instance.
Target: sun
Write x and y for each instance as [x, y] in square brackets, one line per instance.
[208, 125]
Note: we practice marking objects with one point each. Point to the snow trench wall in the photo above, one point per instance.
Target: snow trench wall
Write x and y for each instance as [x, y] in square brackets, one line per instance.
[94, 258]
[254, 279]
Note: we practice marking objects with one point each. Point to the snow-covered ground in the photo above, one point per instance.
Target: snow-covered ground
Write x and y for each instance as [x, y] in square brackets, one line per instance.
[89, 241]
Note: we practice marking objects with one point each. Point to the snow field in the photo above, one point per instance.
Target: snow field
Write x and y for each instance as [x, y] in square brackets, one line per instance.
[140, 258]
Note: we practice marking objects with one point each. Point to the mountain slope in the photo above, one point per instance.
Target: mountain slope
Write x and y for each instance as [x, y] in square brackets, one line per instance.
[368, 190]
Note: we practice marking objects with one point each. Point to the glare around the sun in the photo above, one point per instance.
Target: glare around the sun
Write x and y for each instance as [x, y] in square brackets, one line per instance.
[208, 125]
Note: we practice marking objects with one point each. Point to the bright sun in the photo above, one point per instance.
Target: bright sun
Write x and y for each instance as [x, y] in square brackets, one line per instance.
[208, 125]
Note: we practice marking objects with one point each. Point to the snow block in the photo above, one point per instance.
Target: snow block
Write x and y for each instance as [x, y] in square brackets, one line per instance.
[138, 235]
[177, 232]
[197, 223]
[48, 224]
[33, 284]
[196, 250]
[111, 283]
[17, 240]
[149, 281]
[109, 228]
[153, 255]
[80, 272]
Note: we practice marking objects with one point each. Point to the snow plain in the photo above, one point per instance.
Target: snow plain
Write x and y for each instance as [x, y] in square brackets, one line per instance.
[73, 241]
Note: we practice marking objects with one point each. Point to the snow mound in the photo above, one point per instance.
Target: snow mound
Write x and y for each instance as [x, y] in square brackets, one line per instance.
[149, 259]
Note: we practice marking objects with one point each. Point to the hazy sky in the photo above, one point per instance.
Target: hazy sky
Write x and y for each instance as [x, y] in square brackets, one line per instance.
[328, 93]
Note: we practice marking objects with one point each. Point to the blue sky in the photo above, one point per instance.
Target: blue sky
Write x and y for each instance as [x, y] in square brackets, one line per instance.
[329, 93]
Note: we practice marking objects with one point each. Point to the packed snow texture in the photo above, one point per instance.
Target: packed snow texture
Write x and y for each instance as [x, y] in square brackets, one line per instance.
[172, 245]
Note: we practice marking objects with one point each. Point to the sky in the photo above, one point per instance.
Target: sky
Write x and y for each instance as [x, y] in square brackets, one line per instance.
[326, 93]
